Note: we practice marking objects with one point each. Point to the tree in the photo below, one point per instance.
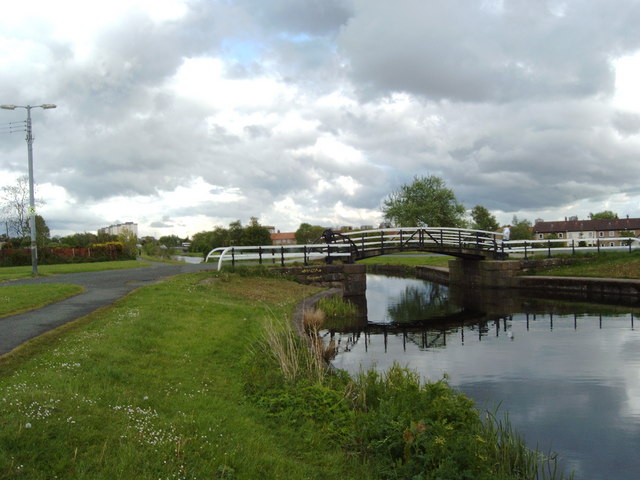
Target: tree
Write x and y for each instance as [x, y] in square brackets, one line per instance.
[521, 229]
[483, 219]
[604, 215]
[129, 242]
[170, 241]
[256, 234]
[14, 201]
[426, 202]
[308, 233]
[42, 232]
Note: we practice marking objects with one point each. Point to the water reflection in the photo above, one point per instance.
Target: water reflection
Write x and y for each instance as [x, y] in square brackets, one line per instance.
[569, 377]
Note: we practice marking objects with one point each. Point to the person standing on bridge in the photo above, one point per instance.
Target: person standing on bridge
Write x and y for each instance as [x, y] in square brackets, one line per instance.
[506, 233]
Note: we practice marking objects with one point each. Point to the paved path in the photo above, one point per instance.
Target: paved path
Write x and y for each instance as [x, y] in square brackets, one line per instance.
[101, 289]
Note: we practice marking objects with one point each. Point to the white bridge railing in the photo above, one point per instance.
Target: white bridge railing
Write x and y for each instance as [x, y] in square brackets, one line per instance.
[551, 247]
[367, 243]
[361, 244]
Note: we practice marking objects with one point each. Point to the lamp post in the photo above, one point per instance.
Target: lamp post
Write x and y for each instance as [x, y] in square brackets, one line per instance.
[32, 203]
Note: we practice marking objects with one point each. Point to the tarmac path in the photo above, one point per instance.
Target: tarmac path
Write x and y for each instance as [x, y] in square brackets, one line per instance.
[101, 289]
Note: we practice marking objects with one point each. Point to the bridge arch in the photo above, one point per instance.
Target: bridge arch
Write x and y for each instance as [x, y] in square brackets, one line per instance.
[352, 246]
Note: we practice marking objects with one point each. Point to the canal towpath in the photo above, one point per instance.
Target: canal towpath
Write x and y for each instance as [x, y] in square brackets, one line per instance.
[100, 290]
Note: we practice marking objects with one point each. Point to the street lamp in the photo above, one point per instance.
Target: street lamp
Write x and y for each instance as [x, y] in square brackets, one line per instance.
[32, 203]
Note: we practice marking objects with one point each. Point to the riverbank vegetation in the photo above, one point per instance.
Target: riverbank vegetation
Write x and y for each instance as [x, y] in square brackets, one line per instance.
[154, 388]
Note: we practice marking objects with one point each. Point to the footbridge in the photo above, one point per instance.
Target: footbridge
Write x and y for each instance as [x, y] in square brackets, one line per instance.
[351, 246]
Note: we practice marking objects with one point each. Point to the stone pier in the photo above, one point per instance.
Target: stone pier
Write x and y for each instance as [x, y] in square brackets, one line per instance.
[484, 273]
[351, 278]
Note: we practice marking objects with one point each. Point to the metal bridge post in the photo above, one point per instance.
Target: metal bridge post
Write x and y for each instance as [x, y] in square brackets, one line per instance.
[598, 244]
[304, 251]
[282, 256]
[260, 255]
[548, 248]
[573, 246]
[629, 245]
[382, 242]
[459, 240]
[233, 257]
[401, 242]
[525, 249]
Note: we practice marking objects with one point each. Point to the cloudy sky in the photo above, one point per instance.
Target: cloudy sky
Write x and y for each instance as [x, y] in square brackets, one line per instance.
[181, 115]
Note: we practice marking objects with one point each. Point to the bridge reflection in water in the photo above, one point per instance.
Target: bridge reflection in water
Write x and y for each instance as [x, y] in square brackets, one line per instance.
[429, 315]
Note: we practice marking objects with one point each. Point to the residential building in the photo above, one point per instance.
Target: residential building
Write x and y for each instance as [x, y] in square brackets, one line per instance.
[589, 231]
[287, 238]
[120, 228]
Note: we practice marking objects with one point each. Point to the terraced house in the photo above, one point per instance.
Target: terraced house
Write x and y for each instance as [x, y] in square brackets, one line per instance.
[606, 232]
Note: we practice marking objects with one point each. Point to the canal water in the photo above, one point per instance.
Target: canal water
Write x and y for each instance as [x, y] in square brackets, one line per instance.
[187, 259]
[567, 374]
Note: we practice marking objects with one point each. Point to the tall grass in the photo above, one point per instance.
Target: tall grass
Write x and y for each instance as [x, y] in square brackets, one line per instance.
[336, 306]
[410, 429]
[295, 359]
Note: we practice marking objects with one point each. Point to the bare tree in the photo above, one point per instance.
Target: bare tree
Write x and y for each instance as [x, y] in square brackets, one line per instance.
[14, 204]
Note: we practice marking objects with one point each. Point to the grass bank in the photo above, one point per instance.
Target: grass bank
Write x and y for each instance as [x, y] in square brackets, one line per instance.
[16, 299]
[13, 273]
[604, 265]
[178, 381]
[410, 259]
[155, 388]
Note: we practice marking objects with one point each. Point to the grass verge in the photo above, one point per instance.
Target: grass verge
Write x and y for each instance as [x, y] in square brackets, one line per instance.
[410, 259]
[154, 387]
[16, 299]
[604, 265]
[13, 273]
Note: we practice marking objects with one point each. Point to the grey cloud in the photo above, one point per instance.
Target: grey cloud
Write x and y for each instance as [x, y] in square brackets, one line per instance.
[459, 50]
[312, 17]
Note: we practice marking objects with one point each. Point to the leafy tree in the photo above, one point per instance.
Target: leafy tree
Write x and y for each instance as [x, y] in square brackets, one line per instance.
[256, 234]
[170, 241]
[521, 229]
[604, 215]
[308, 233]
[130, 243]
[103, 237]
[483, 219]
[42, 232]
[426, 202]
[235, 233]
[80, 240]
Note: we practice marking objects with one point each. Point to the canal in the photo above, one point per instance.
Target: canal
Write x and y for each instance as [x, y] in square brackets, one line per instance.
[568, 374]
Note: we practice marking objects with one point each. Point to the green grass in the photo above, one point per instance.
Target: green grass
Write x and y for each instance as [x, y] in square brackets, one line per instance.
[410, 259]
[13, 273]
[604, 265]
[153, 388]
[16, 299]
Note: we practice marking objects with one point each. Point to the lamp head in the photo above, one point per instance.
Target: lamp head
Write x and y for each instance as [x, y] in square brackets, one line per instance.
[48, 105]
[8, 107]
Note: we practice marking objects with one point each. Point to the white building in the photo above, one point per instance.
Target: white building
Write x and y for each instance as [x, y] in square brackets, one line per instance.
[120, 228]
